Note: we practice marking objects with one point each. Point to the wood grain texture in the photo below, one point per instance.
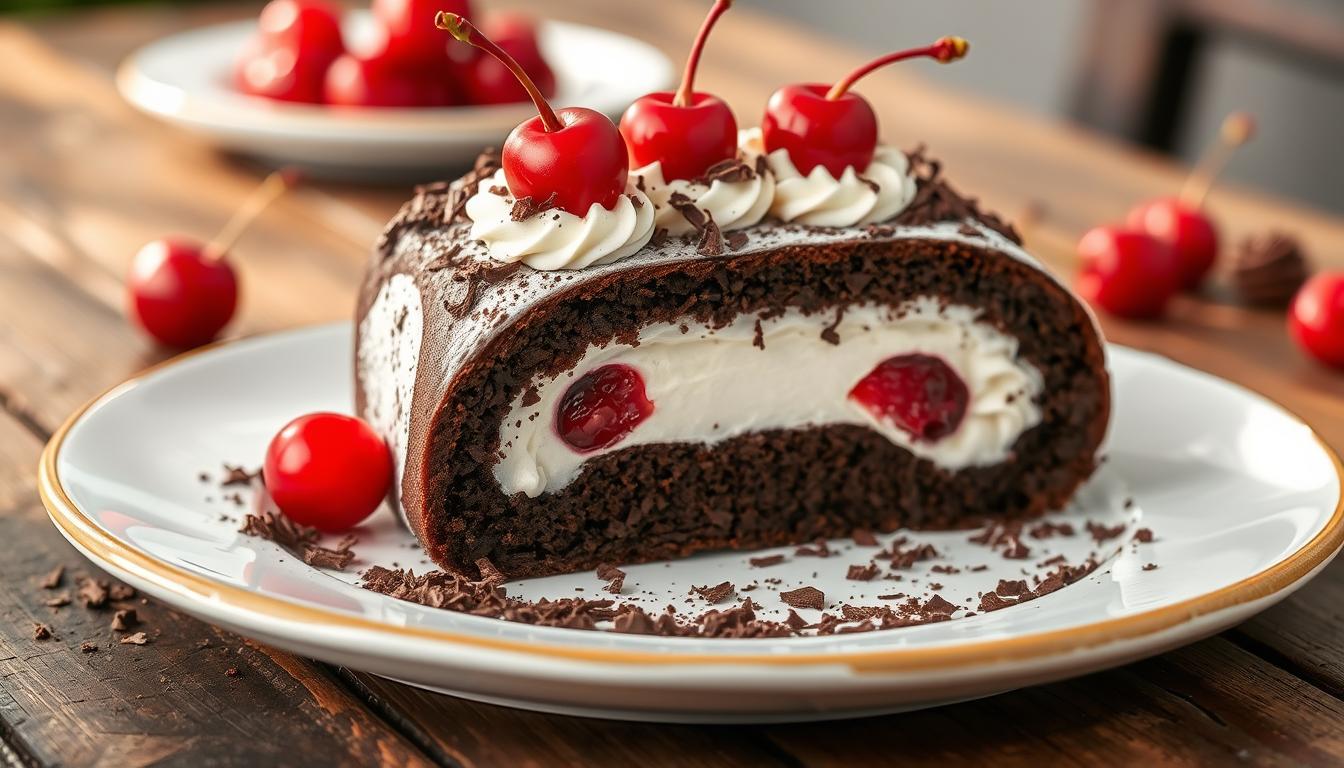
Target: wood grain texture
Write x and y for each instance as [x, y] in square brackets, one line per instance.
[72, 215]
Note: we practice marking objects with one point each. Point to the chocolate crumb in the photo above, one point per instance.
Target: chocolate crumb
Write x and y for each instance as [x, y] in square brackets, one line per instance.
[1103, 533]
[804, 597]
[1150, 567]
[124, 619]
[526, 207]
[231, 672]
[88, 647]
[1144, 536]
[41, 631]
[58, 601]
[237, 475]
[92, 593]
[736, 240]
[118, 592]
[53, 578]
[139, 638]
[337, 558]
[766, 561]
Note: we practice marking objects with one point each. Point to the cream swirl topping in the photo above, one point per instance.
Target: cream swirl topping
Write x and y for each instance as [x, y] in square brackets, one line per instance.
[883, 190]
[555, 239]
[733, 204]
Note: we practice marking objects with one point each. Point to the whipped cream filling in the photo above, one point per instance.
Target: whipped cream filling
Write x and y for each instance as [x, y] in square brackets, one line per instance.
[732, 204]
[883, 190]
[556, 239]
[711, 384]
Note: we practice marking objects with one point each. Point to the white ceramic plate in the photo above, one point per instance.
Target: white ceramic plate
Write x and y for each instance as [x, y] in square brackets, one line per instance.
[1244, 500]
[185, 80]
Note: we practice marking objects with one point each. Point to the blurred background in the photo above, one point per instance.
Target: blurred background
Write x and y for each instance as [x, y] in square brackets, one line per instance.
[1162, 73]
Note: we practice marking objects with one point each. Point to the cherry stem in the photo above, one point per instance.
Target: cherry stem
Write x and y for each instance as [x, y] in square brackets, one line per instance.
[462, 29]
[1237, 129]
[945, 50]
[272, 187]
[686, 92]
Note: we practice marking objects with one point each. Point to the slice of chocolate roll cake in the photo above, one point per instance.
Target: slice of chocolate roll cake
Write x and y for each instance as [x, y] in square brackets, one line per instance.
[780, 349]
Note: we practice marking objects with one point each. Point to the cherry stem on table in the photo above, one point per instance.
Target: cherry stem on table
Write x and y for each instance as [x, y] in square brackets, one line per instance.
[271, 188]
[463, 30]
[686, 92]
[945, 50]
[1237, 129]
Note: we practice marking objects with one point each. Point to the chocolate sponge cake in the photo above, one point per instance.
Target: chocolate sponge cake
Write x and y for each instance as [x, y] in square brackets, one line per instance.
[561, 391]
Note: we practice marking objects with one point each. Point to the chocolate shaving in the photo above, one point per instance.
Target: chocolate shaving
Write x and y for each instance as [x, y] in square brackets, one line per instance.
[711, 240]
[489, 573]
[636, 201]
[337, 558]
[1150, 567]
[829, 334]
[736, 240]
[449, 258]
[526, 207]
[717, 593]
[728, 171]
[496, 273]
[862, 572]
[139, 638]
[687, 208]
[1102, 533]
[936, 201]
[238, 476]
[766, 561]
[804, 597]
[659, 237]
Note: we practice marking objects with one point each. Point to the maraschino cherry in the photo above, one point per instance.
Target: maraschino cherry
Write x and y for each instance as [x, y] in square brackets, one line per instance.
[296, 41]
[382, 80]
[1181, 221]
[327, 470]
[572, 158]
[183, 292]
[602, 407]
[1126, 272]
[1316, 319]
[488, 81]
[830, 126]
[919, 393]
[686, 131]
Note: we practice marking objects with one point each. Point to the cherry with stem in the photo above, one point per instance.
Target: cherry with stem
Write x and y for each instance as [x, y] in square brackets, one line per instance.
[831, 126]
[1181, 221]
[182, 292]
[685, 131]
[571, 158]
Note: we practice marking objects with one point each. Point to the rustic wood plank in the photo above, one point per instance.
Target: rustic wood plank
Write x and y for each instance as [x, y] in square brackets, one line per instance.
[171, 700]
[484, 735]
[1209, 704]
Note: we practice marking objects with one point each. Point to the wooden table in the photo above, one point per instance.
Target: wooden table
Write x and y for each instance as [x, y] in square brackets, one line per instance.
[84, 181]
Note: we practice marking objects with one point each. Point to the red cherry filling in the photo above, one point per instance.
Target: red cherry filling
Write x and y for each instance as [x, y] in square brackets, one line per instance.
[602, 407]
[921, 394]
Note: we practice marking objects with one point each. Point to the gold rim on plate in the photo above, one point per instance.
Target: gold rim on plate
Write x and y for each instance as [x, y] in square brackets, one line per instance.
[95, 539]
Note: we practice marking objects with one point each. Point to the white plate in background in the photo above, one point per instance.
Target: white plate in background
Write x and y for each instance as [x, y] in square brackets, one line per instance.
[186, 80]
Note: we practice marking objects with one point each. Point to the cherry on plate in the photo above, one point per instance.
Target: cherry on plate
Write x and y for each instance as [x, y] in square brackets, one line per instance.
[287, 59]
[327, 470]
[489, 81]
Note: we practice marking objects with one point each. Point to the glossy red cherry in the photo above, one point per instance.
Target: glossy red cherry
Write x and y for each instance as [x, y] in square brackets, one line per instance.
[601, 408]
[573, 157]
[1126, 273]
[183, 292]
[686, 131]
[1188, 232]
[489, 81]
[831, 126]
[287, 59]
[412, 36]
[180, 295]
[1316, 318]
[1181, 222]
[327, 470]
[382, 81]
[921, 394]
